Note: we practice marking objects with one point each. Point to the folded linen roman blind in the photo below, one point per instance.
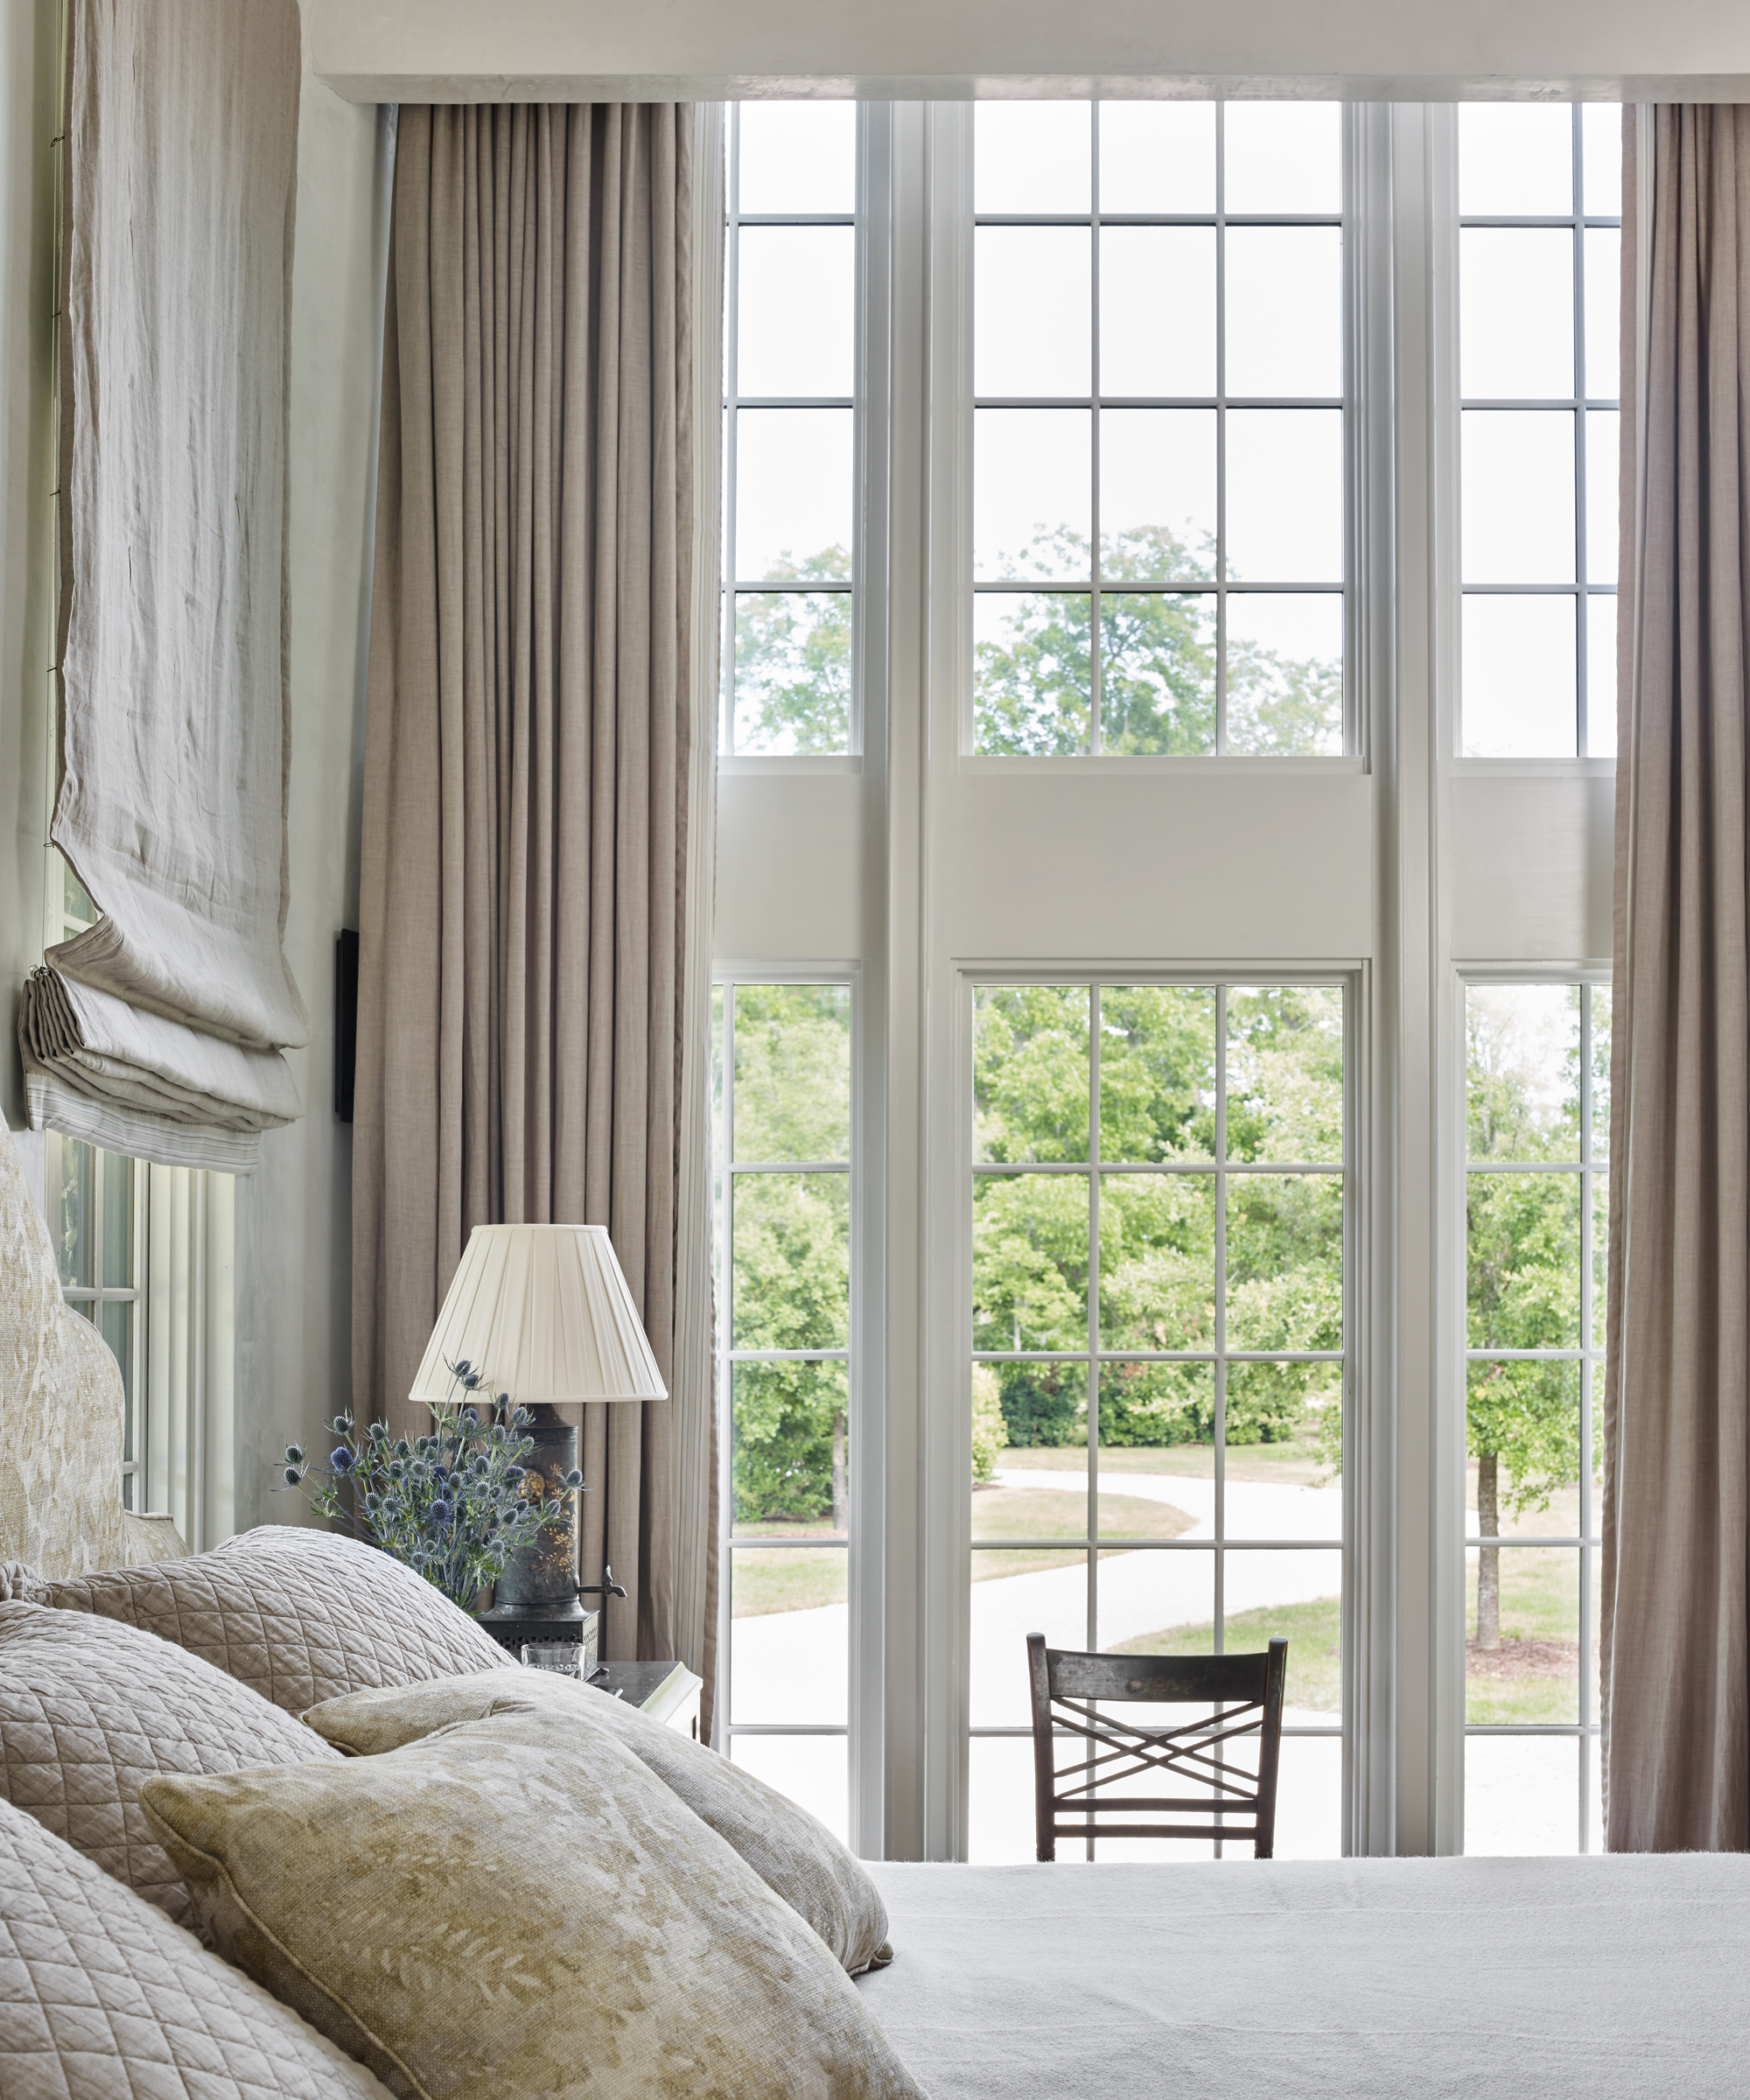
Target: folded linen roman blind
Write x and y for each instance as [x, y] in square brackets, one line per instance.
[160, 1030]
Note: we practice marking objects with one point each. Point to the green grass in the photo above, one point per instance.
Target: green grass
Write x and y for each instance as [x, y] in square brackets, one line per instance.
[1292, 1465]
[1051, 1513]
[786, 1582]
[1313, 1632]
[1534, 1674]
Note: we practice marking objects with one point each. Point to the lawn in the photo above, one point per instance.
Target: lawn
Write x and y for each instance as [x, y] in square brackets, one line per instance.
[1534, 1675]
[1291, 1464]
[1049, 1513]
[1313, 1632]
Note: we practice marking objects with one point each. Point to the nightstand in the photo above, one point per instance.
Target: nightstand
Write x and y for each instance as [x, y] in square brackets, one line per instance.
[666, 1691]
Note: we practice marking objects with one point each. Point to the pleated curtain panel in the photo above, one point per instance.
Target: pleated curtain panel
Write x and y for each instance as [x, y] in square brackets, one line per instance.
[159, 1030]
[1676, 1590]
[535, 897]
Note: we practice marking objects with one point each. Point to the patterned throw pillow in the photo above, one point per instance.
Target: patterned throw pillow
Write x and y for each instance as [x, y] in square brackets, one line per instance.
[520, 1920]
[297, 1615]
[88, 1710]
[101, 1997]
[792, 1853]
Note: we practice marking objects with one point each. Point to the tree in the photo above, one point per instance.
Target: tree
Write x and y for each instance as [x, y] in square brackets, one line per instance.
[1157, 671]
[1523, 1256]
[793, 661]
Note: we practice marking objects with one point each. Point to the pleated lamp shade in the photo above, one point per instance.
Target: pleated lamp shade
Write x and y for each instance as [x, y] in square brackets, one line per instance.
[544, 1312]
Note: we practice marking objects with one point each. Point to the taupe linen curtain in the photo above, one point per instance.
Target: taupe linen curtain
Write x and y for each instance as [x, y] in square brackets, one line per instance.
[159, 1029]
[524, 940]
[1675, 1594]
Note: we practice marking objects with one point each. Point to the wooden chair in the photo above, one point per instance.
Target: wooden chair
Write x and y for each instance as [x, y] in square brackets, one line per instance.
[1245, 1692]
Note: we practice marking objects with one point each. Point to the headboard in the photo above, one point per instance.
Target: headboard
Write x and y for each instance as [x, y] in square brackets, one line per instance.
[62, 1413]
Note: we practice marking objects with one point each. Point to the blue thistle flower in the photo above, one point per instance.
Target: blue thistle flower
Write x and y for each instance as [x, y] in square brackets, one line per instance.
[293, 1477]
[341, 1460]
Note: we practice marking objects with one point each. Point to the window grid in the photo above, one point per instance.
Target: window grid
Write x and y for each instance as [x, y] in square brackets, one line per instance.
[1582, 590]
[735, 586]
[1221, 590]
[730, 1171]
[83, 1179]
[1586, 1169]
[1219, 1170]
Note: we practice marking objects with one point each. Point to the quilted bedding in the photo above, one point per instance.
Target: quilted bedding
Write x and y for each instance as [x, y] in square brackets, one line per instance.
[89, 1709]
[102, 1998]
[299, 1616]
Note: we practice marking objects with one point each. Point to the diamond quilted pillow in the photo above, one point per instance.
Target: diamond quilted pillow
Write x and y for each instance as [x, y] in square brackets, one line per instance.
[298, 1616]
[101, 1997]
[88, 1710]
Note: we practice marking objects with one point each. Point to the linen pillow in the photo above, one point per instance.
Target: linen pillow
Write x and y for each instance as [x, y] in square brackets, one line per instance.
[297, 1615]
[101, 1997]
[483, 1913]
[89, 1709]
[792, 1852]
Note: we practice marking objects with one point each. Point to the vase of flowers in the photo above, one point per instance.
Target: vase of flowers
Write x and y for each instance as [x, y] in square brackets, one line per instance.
[454, 1505]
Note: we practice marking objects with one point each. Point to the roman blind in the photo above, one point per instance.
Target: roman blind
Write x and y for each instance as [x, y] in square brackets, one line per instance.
[160, 1030]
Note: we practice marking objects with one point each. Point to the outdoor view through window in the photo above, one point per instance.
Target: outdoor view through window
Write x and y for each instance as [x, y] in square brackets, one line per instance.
[784, 1294]
[1159, 1237]
[1158, 483]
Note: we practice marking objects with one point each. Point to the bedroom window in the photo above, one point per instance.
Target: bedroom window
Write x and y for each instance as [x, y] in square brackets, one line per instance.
[1540, 203]
[1538, 1126]
[1159, 535]
[1159, 1231]
[789, 418]
[96, 1214]
[783, 1111]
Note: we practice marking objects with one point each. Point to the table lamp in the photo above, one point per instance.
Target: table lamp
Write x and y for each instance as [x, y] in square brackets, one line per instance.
[544, 1312]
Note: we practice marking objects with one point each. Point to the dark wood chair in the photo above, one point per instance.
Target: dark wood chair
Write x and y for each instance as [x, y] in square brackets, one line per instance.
[1069, 1690]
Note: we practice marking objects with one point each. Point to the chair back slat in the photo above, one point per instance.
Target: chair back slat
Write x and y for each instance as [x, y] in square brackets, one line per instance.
[1070, 1687]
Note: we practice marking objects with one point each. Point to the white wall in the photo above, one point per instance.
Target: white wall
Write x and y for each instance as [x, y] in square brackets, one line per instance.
[459, 50]
[294, 1248]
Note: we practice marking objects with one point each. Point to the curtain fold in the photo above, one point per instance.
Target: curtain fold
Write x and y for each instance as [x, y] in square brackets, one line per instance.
[158, 1029]
[1676, 1588]
[531, 797]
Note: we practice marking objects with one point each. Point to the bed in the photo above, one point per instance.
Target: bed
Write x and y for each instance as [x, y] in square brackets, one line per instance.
[1504, 1979]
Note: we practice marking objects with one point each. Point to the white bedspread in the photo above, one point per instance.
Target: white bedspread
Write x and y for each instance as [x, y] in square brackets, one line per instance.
[1617, 1979]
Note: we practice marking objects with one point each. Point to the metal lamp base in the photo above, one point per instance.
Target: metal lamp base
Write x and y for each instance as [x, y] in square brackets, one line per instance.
[540, 1581]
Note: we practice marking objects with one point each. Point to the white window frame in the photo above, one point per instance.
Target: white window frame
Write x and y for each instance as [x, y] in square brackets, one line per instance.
[886, 852]
[1585, 1731]
[1349, 982]
[726, 976]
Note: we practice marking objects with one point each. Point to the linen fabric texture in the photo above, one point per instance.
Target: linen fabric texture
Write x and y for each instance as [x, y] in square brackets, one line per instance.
[1675, 1574]
[484, 1913]
[174, 729]
[102, 1998]
[298, 1616]
[527, 819]
[88, 1709]
[795, 1856]
[1322, 1979]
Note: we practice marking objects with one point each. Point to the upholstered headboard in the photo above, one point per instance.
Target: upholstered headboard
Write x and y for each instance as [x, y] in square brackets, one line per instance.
[62, 1413]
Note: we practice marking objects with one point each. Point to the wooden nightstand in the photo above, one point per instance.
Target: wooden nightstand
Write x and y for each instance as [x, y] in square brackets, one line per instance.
[666, 1691]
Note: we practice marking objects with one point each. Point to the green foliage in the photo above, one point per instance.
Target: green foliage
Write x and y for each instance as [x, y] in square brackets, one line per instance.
[791, 1241]
[1033, 676]
[1522, 1240]
[1157, 1232]
[793, 661]
[989, 1435]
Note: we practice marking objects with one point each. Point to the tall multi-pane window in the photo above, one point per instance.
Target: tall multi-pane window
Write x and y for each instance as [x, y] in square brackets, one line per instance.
[1158, 369]
[97, 1216]
[789, 373]
[1538, 1122]
[1540, 203]
[1159, 1205]
[784, 1311]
